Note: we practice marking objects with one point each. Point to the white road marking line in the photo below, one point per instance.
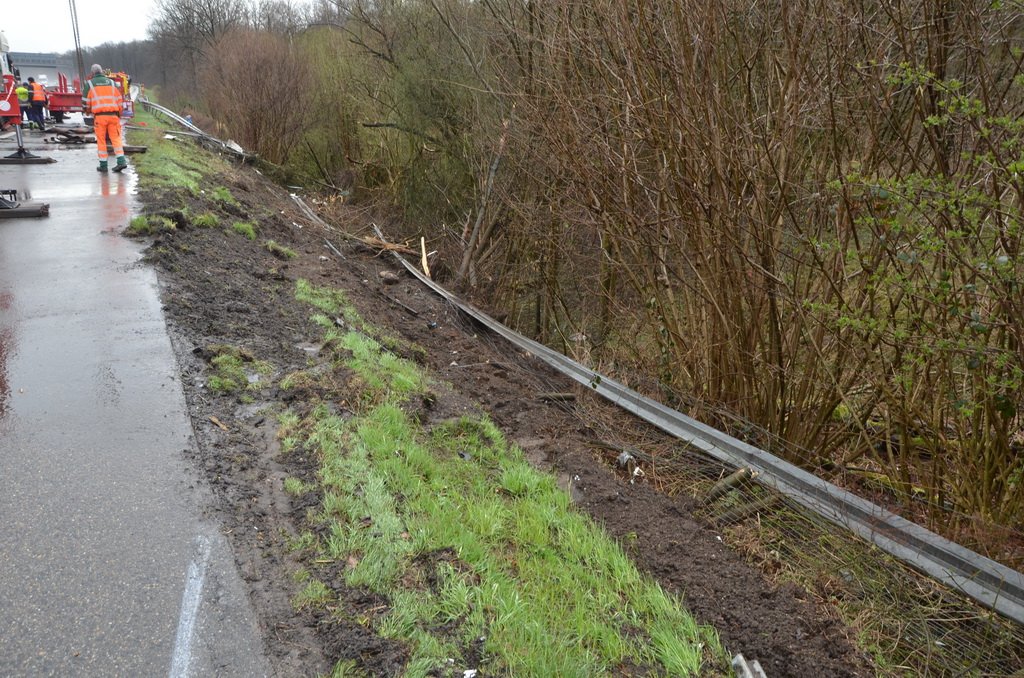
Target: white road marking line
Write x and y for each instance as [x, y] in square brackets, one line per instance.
[182, 657]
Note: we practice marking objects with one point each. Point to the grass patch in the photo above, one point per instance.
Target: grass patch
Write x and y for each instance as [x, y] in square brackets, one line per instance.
[334, 303]
[279, 251]
[468, 541]
[222, 194]
[149, 225]
[206, 220]
[329, 301]
[347, 668]
[502, 552]
[298, 380]
[236, 370]
[173, 164]
[315, 594]
[288, 431]
[295, 487]
[304, 541]
[381, 370]
[246, 228]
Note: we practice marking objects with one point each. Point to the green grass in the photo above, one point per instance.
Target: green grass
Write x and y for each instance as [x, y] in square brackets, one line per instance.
[383, 371]
[221, 194]
[295, 486]
[468, 541]
[304, 541]
[289, 425]
[175, 164]
[451, 526]
[315, 593]
[149, 225]
[510, 559]
[327, 300]
[279, 251]
[334, 303]
[235, 370]
[206, 220]
[246, 228]
[347, 668]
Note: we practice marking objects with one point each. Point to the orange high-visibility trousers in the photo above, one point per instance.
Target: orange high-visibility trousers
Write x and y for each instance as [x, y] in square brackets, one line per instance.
[108, 125]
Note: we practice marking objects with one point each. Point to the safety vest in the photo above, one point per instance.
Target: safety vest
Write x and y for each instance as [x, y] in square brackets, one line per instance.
[38, 93]
[104, 97]
[22, 93]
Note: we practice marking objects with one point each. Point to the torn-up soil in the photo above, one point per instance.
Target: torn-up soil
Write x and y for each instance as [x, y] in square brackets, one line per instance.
[219, 288]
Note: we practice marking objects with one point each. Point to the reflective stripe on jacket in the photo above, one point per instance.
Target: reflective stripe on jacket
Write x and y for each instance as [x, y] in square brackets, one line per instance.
[104, 96]
[38, 93]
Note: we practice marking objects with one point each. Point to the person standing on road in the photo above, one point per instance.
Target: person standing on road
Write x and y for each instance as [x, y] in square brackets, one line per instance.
[38, 96]
[102, 98]
[24, 102]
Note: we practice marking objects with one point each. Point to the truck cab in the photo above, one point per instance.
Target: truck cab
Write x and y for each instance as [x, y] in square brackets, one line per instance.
[6, 67]
[10, 111]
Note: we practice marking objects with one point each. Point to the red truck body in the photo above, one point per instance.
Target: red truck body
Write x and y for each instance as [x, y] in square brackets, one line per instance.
[64, 98]
[10, 111]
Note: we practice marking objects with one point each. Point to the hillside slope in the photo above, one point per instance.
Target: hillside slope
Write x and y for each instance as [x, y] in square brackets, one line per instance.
[258, 364]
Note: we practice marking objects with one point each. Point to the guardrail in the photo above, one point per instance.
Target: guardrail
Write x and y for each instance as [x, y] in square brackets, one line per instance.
[991, 584]
[226, 146]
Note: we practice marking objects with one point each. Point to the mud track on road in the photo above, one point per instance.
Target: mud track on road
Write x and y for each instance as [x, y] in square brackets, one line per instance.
[220, 288]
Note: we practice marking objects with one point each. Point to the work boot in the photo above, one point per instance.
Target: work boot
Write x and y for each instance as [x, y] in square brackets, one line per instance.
[121, 165]
[102, 167]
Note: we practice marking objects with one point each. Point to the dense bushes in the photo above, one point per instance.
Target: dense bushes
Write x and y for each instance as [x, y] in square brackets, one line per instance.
[818, 210]
[802, 216]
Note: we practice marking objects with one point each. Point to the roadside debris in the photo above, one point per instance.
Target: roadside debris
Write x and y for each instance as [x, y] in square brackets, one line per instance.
[219, 423]
[11, 207]
[745, 669]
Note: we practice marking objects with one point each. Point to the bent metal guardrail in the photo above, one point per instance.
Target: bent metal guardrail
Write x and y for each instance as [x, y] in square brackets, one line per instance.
[994, 586]
[227, 146]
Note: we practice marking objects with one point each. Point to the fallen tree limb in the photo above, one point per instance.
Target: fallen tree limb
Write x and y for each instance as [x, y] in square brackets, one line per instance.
[370, 241]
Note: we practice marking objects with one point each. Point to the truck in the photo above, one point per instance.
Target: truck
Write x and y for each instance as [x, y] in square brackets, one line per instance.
[10, 111]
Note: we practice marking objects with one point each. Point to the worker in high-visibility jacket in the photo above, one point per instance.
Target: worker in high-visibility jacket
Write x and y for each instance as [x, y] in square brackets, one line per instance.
[102, 98]
[24, 101]
[37, 95]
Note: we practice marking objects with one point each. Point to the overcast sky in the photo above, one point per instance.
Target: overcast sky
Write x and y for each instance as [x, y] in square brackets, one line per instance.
[45, 25]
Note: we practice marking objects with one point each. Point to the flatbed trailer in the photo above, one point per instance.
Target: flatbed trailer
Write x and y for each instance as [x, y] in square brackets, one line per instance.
[65, 98]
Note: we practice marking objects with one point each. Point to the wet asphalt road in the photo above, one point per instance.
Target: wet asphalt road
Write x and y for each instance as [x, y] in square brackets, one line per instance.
[107, 567]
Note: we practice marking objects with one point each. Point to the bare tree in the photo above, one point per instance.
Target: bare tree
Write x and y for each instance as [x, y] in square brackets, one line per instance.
[277, 16]
[270, 94]
[194, 26]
